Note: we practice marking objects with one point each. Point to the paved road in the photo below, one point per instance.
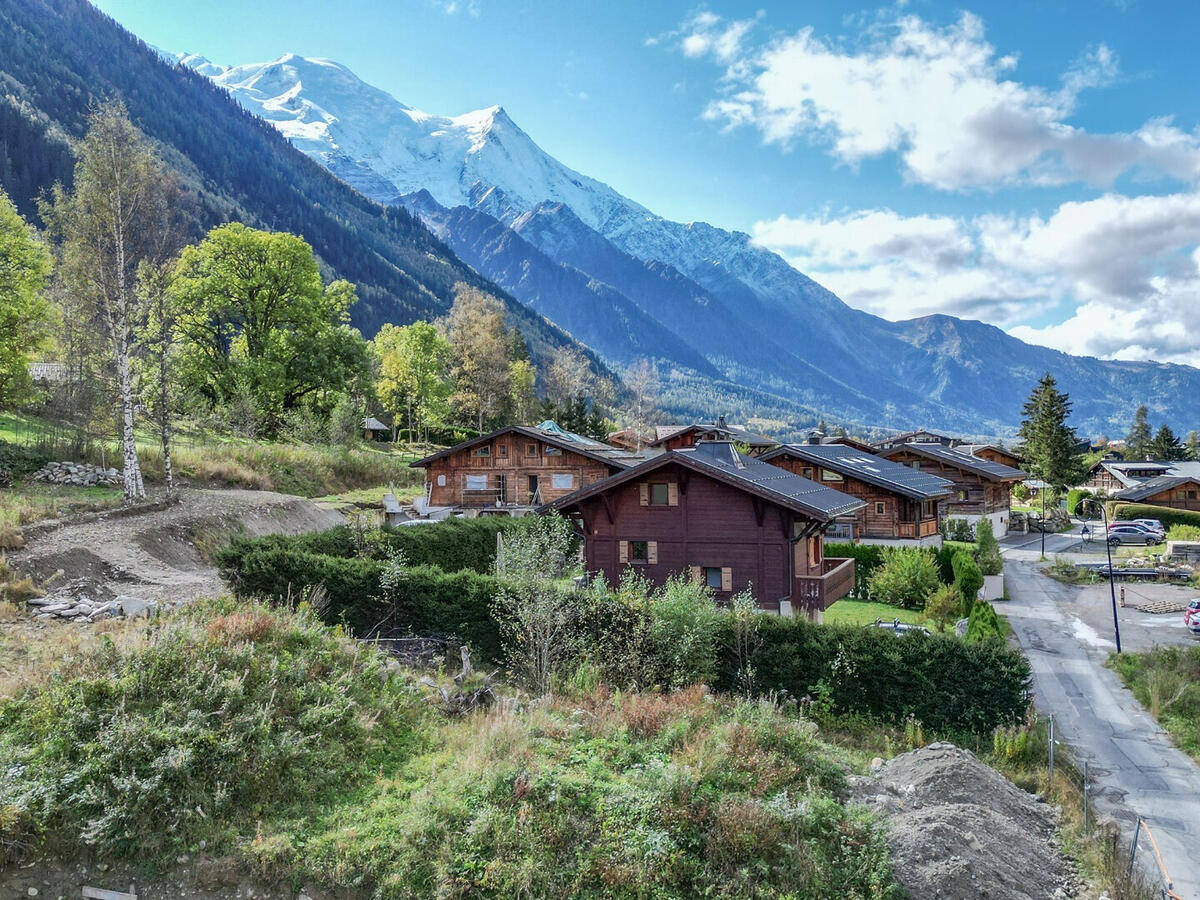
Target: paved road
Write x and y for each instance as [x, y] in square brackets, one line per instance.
[1136, 769]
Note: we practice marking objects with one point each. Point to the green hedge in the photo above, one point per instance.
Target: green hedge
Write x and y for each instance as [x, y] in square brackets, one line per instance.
[1074, 497]
[426, 600]
[451, 545]
[867, 558]
[1164, 514]
[948, 685]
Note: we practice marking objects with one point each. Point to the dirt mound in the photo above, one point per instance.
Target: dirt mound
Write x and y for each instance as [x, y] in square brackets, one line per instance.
[959, 829]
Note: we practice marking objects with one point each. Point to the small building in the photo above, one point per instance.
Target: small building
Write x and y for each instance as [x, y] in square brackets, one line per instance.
[723, 518]
[982, 488]
[993, 452]
[518, 467]
[680, 437]
[374, 430]
[900, 502]
[1174, 491]
[1110, 476]
[920, 436]
[631, 438]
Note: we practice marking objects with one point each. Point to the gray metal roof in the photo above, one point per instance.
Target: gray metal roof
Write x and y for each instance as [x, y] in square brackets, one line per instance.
[1152, 486]
[737, 433]
[992, 471]
[720, 460]
[551, 433]
[867, 467]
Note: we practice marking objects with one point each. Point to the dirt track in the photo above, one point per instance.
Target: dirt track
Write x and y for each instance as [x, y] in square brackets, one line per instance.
[157, 554]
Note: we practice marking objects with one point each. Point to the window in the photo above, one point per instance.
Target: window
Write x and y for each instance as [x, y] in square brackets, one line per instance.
[562, 482]
[660, 494]
[880, 508]
[964, 494]
[485, 450]
[712, 577]
[554, 451]
[639, 551]
[476, 483]
[806, 472]
[916, 464]
[504, 449]
[441, 481]
[828, 475]
[531, 450]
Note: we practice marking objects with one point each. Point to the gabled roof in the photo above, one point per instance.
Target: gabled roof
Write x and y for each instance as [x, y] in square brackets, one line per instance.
[977, 465]
[1153, 486]
[737, 433]
[906, 437]
[1133, 472]
[550, 433]
[867, 467]
[370, 423]
[720, 461]
[973, 449]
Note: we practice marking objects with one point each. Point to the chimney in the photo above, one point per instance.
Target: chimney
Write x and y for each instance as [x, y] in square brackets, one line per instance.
[721, 421]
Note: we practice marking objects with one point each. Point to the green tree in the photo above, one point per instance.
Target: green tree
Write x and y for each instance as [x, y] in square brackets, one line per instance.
[1192, 447]
[1166, 445]
[907, 578]
[25, 314]
[480, 351]
[942, 607]
[1137, 442]
[257, 320]
[968, 580]
[1050, 445]
[522, 397]
[987, 551]
[120, 216]
[414, 376]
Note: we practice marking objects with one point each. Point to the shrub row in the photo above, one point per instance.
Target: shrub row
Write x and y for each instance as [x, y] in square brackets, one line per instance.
[869, 557]
[946, 684]
[1164, 514]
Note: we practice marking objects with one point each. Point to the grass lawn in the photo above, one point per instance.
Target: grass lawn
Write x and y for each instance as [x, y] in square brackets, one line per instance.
[372, 496]
[30, 501]
[863, 612]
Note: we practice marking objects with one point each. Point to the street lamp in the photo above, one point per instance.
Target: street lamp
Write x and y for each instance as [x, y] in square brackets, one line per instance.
[1112, 587]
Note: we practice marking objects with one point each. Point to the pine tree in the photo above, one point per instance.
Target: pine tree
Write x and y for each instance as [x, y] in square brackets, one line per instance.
[1050, 445]
[1137, 442]
[1192, 448]
[1166, 445]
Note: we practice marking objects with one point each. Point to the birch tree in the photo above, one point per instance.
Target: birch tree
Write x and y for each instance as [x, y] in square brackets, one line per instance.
[118, 217]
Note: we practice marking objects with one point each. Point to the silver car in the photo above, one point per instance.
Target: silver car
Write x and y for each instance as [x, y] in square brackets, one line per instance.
[1131, 534]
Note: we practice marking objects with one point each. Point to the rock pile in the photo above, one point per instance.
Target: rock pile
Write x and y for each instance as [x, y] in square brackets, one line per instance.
[958, 828]
[86, 601]
[79, 474]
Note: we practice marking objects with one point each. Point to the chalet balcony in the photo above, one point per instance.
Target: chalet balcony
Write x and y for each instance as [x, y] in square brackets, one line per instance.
[925, 529]
[818, 592]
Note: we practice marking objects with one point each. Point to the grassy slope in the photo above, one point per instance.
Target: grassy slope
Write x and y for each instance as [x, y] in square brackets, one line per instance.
[1166, 680]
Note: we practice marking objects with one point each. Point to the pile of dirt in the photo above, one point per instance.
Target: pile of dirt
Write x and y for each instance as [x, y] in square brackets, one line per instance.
[957, 828]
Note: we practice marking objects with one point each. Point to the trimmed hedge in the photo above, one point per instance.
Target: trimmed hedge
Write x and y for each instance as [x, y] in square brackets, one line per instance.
[867, 558]
[948, 685]
[1164, 514]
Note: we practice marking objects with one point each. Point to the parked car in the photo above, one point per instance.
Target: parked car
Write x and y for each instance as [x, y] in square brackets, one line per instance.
[1140, 527]
[1131, 534]
[1152, 524]
[1191, 617]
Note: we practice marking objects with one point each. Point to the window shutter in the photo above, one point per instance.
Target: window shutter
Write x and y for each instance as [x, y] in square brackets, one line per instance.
[623, 551]
[652, 552]
[696, 574]
[644, 488]
[727, 579]
[672, 494]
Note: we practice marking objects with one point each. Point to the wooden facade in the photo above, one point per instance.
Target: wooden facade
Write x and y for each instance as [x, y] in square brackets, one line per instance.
[974, 494]
[995, 454]
[519, 466]
[668, 518]
[888, 514]
[1110, 476]
[1179, 496]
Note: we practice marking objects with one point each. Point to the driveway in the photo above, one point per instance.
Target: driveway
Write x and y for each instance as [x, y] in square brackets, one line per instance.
[1067, 634]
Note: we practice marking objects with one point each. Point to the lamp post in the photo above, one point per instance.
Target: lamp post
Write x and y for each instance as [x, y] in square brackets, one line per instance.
[1112, 587]
[1043, 493]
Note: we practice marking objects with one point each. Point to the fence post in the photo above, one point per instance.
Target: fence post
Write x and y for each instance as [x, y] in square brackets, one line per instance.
[1137, 829]
[1085, 796]
[1050, 731]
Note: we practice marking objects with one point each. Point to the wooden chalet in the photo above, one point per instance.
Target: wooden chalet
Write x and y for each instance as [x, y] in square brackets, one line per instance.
[900, 502]
[992, 452]
[519, 467]
[920, 436]
[1174, 491]
[1111, 476]
[982, 488]
[726, 519]
[680, 437]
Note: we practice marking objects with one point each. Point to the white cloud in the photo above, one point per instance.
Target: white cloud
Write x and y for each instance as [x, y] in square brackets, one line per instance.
[704, 33]
[1125, 269]
[940, 98]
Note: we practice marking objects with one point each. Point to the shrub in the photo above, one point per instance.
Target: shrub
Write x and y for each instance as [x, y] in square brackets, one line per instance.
[685, 625]
[1183, 533]
[889, 677]
[983, 624]
[867, 558]
[968, 580]
[957, 530]
[20, 460]
[987, 553]
[1164, 514]
[943, 606]
[906, 579]
[1074, 497]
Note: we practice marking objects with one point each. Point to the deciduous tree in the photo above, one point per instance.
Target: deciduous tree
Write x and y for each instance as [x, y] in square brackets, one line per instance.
[480, 341]
[414, 374]
[25, 314]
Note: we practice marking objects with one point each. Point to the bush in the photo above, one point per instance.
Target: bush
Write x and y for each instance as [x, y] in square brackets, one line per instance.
[1074, 497]
[224, 712]
[889, 677]
[867, 558]
[1183, 533]
[685, 625]
[1164, 514]
[987, 551]
[907, 578]
[983, 624]
[20, 460]
[967, 579]
[943, 606]
[957, 530]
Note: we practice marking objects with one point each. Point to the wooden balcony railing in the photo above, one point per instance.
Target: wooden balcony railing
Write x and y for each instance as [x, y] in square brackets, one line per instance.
[927, 528]
[818, 592]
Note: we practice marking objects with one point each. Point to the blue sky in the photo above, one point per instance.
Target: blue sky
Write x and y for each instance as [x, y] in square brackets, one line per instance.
[1032, 164]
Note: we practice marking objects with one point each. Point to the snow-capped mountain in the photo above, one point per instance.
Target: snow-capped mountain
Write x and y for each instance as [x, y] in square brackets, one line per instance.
[753, 317]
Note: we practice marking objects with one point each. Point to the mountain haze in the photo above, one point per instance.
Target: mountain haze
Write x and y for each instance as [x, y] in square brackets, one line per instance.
[750, 315]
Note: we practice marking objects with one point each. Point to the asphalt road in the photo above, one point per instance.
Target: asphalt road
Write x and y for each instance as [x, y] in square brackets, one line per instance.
[1136, 771]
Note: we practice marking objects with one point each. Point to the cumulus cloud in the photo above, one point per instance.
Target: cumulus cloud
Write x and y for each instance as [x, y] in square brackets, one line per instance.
[1124, 271]
[942, 98]
[705, 34]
